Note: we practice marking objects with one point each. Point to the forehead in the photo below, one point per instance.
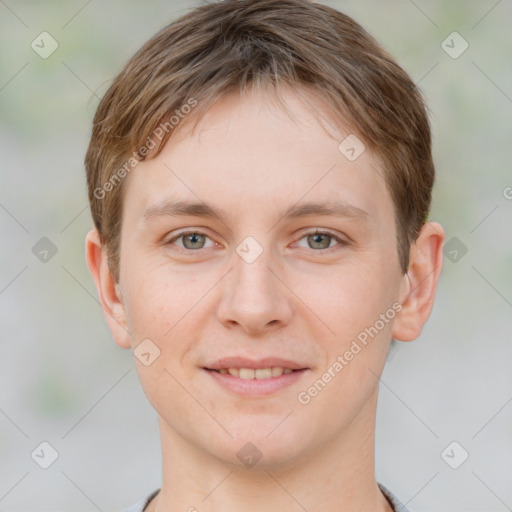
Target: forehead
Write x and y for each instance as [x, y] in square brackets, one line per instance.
[252, 154]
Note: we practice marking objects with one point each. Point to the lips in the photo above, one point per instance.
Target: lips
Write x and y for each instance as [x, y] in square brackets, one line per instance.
[255, 377]
[254, 364]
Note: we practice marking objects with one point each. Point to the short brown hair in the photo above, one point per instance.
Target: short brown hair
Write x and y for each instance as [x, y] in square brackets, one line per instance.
[231, 44]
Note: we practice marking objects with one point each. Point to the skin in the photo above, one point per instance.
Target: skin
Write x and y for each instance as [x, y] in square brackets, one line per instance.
[298, 300]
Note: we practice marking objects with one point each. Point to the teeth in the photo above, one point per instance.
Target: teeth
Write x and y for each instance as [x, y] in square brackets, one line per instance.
[277, 371]
[246, 373]
[260, 373]
[263, 373]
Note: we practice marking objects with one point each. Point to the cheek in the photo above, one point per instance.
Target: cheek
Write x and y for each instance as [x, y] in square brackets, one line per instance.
[356, 305]
[169, 308]
[162, 308]
[161, 300]
[349, 299]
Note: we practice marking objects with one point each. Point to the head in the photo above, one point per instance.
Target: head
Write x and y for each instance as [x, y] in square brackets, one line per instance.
[306, 151]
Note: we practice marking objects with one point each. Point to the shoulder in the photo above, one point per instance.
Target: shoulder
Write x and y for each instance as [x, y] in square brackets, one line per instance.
[142, 503]
[397, 505]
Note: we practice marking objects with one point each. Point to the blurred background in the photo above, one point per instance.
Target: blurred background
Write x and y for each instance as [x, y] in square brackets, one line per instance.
[444, 425]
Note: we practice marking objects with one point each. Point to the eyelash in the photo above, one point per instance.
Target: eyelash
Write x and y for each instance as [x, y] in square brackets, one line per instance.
[341, 242]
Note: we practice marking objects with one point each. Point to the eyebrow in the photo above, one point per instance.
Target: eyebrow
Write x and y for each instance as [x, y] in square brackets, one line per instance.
[198, 209]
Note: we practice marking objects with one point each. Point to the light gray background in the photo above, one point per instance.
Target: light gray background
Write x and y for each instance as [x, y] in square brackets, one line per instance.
[64, 381]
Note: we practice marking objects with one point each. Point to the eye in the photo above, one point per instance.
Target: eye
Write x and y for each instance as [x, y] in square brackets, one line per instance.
[192, 240]
[196, 240]
[322, 240]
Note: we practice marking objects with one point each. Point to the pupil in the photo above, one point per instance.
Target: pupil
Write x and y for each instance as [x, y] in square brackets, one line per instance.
[192, 240]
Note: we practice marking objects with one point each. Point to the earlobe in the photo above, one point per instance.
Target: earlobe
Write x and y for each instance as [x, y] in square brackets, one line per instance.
[109, 292]
[420, 282]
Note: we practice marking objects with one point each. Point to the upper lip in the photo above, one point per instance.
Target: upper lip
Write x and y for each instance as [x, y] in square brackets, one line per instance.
[242, 362]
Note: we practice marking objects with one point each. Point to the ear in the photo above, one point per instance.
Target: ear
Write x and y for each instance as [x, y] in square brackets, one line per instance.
[109, 292]
[419, 283]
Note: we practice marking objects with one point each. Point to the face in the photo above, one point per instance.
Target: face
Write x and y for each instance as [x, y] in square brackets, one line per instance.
[266, 286]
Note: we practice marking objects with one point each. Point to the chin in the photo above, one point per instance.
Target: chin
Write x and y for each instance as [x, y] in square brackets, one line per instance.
[262, 444]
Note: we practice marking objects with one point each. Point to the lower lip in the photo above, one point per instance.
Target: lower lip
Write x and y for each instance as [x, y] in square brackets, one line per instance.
[256, 387]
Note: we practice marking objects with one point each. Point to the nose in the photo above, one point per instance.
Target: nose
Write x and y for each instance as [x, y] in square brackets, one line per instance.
[254, 298]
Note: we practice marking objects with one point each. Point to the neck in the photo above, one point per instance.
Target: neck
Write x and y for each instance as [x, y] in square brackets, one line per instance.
[338, 476]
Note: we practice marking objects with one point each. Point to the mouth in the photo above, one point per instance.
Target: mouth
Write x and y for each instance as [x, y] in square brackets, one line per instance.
[255, 378]
[251, 373]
